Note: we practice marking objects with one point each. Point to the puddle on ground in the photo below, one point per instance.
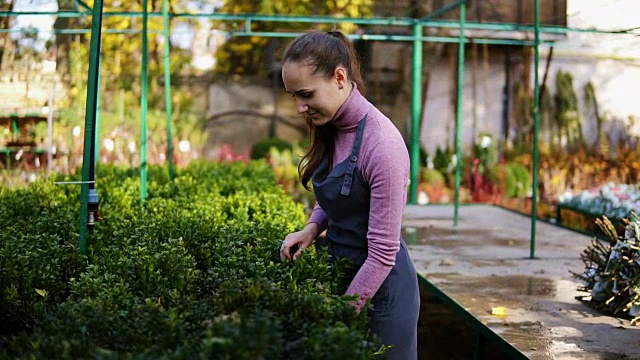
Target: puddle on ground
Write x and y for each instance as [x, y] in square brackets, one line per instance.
[451, 238]
[478, 263]
[512, 285]
[592, 356]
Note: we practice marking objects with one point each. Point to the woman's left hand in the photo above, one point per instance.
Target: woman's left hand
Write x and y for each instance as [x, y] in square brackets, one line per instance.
[302, 239]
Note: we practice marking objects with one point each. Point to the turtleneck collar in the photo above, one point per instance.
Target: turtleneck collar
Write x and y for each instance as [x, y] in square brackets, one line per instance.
[352, 111]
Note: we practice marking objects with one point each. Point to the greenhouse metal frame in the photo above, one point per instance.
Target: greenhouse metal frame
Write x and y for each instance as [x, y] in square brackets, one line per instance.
[89, 196]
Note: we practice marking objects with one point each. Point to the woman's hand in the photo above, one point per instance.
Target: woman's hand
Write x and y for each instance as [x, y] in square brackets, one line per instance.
[301, 239]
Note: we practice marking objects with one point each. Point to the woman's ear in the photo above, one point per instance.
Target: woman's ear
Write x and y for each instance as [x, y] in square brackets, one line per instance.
[340, 75]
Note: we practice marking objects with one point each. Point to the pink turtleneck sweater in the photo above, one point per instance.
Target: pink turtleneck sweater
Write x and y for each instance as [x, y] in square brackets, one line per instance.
[384, 164]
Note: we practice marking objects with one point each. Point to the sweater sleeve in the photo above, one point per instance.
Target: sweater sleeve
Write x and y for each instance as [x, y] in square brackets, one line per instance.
[319, 217]
[386, 168]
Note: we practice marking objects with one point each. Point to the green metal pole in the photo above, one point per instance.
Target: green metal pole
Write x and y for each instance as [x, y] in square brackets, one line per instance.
[52, 100]
[271, 34]
[536, 120]
[459, 87]
[472, 25]
[97, 144]
[416, 106]
[90, 115]
[143, 103]
[167, 87]
[64, 13]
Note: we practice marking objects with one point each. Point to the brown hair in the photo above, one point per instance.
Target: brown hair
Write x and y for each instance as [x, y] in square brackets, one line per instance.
[324, 52]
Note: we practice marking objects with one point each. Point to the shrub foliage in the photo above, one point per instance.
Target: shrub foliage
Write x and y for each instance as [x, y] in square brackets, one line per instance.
[192, 272]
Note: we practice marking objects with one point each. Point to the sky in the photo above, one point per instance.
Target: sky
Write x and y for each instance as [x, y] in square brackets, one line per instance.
[180, 35]
[39, 22]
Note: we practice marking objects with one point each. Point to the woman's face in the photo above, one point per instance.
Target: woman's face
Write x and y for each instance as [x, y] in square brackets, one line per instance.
[318, 98]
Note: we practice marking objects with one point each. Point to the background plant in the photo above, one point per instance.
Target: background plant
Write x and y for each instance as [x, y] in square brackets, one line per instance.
[612, 270]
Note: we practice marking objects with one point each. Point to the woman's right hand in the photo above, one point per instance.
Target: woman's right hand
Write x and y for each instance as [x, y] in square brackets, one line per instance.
[302, 239]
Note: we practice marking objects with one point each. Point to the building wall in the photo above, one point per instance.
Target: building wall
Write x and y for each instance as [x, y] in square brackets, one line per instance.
[615, 82]
[587, 58]
[552, 12]
[481, 113]
[249, 110]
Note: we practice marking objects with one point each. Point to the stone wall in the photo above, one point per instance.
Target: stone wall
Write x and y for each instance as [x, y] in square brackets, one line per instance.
[240, 114]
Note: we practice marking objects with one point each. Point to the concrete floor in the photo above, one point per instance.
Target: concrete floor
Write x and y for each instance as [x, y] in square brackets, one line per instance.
[484, 263]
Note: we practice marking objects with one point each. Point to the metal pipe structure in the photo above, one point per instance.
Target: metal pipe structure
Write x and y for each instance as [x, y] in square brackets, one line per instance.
[370, 37]
[489, 26]
[459, 111]
[416, 111]
[52, 100]
[416, 99]
[417, 38]
[167, 87]
[536, 130]
[144, 103]
[88, 195]
[97, 143]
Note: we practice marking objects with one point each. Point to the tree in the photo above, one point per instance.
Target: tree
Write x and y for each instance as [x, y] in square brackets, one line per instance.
[120, 52]
[593, 109]
[7, 45]
[244, 55]
[121, 60]
[567, 115]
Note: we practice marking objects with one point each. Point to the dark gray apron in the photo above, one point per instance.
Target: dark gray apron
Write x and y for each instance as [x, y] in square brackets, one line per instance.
[344, 195]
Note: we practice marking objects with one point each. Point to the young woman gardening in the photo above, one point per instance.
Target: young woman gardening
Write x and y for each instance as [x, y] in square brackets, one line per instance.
[358, 165]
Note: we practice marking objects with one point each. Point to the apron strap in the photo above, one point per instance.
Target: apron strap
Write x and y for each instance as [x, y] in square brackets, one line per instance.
[348, 177]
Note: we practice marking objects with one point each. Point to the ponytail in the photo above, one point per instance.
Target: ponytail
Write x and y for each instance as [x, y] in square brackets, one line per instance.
[325, 52]
[354, 67]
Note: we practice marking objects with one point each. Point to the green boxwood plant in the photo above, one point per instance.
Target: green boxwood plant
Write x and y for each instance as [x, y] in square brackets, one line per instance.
[192, 272]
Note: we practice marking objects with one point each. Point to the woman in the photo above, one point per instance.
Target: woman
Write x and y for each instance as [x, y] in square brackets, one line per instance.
[359, 167]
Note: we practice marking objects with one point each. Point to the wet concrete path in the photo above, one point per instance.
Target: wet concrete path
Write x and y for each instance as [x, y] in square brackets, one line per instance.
[484, 264]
